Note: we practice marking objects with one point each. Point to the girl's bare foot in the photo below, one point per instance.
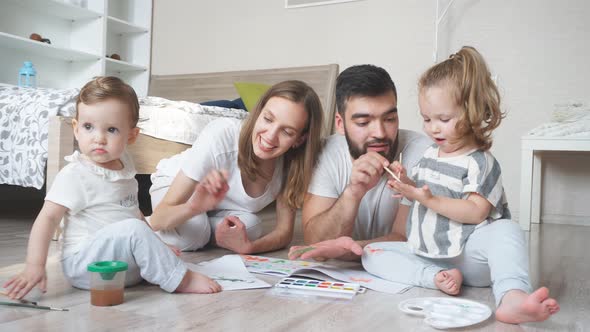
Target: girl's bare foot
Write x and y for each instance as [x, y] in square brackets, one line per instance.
[194, 282]
[519, 307]
[449, 281]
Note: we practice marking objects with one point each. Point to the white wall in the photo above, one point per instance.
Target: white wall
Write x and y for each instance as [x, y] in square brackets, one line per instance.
[538, 50]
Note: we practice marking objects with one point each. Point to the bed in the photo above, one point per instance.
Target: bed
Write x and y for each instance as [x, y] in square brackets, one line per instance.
[195, 88]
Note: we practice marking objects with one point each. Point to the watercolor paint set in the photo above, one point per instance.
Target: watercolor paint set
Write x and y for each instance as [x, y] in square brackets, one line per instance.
[446, 313]
[317, 288]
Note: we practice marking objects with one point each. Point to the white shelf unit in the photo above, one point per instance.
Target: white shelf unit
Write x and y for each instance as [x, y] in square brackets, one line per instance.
[82, 37]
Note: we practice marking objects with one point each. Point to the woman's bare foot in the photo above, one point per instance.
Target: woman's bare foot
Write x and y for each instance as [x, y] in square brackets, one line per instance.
[519, 307]
[449, 281]
[195, 282]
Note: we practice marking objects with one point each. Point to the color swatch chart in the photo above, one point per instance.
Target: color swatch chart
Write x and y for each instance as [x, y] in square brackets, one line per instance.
[320, 288]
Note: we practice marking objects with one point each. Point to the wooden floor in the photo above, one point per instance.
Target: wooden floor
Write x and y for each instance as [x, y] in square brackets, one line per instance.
[558, 260]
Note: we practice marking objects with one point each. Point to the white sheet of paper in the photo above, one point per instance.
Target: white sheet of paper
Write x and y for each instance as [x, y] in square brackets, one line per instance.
[286, 267]
[229, 271]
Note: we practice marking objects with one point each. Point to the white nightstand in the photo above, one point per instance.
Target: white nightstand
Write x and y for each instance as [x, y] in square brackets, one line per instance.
[530, 171]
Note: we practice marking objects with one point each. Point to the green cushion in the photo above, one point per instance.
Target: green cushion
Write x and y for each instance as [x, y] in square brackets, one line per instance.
[250, 92]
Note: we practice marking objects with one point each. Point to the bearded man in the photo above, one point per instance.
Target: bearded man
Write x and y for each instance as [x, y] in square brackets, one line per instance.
[348, 200]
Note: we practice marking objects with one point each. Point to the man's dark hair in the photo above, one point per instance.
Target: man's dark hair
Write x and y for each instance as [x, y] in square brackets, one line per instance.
[362, 81]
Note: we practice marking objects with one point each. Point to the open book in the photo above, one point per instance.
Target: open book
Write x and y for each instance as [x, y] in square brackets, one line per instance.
[285, 267]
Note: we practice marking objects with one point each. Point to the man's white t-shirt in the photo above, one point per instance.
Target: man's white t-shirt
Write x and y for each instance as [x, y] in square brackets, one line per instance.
[94, 196]
[217, 148]
[377, 209]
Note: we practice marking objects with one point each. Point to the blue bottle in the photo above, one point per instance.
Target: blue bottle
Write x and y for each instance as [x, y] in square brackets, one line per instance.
[27, 75]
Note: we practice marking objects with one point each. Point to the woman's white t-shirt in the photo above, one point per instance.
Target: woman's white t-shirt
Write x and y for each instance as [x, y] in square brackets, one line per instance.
[94, 196]
[217, 148]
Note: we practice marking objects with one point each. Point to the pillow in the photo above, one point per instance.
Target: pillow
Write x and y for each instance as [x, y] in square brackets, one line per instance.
[236, 103]
[250, 93]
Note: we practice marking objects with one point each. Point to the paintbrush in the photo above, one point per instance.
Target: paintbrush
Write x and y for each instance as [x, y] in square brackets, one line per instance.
[32, 306]
[400, 162]
[392, 174]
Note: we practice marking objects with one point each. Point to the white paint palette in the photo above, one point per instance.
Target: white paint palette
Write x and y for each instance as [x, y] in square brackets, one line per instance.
[446, 313]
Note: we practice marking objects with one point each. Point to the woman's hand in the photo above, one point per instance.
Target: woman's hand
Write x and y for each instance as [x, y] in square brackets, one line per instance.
[19, 285]
[231, 234]
[324, 250]
[210, 191]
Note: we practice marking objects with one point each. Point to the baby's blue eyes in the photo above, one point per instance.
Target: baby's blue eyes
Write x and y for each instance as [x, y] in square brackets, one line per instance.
[112, 130]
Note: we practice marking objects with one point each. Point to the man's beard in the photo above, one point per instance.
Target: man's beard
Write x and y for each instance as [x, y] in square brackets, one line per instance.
[356, 151]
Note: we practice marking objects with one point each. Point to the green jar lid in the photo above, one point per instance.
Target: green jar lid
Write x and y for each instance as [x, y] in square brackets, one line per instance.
[107, 269]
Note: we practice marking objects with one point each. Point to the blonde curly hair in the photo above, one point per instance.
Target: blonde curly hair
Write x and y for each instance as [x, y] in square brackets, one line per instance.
[472, 87]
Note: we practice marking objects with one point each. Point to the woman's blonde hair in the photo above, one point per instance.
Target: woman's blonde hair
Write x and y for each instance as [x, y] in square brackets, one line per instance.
[298, 161]
[109, 87]
[473, 89]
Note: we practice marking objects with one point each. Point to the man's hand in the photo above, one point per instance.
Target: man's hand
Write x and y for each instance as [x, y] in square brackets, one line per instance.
[231, 234]
[19, 285]
[324, 250]
[366, 172]
[210, 191]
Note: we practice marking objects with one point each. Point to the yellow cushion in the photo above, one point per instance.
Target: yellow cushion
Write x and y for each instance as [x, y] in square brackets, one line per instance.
[250, 92]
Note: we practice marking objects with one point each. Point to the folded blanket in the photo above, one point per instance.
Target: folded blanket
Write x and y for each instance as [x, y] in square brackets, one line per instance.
[568, 120]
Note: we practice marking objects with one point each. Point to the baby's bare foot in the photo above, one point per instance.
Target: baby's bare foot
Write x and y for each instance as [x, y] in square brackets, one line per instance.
[449, 281]
[194, 282]
[519, 307]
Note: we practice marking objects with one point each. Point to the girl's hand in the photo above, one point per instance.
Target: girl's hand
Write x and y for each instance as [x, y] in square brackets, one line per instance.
[231, 234]
[324, 250]
[401, 173]
[210, 191]
[412, 193]
[19, 285]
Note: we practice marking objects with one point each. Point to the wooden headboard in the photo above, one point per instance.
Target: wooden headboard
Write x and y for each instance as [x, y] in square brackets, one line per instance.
[148, 151]
[220, 86]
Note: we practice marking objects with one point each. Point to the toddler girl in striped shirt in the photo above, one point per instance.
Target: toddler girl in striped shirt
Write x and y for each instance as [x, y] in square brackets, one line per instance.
[459, 229]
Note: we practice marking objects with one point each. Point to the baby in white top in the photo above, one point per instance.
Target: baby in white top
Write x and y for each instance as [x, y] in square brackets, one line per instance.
[96, 195]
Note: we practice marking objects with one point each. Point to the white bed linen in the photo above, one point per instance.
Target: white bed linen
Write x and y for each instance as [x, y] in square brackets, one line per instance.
[24, 122]
[179, 121]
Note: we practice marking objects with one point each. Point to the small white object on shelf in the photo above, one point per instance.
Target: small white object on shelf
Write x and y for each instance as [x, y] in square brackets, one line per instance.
[570, 119]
